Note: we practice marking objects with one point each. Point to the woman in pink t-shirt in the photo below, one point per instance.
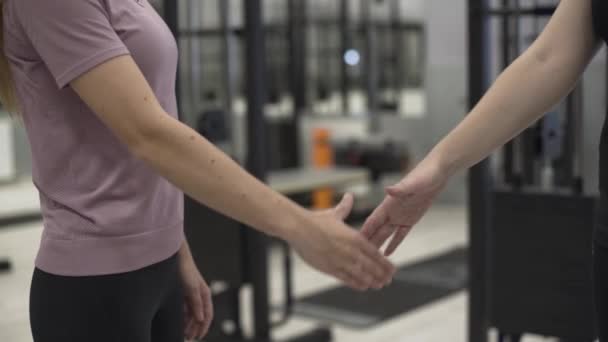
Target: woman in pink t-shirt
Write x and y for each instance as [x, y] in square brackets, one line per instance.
[94, 81]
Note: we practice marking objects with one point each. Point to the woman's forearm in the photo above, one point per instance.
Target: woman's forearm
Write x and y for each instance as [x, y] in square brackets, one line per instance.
[192, 163]
[526, 90]
[519, 97]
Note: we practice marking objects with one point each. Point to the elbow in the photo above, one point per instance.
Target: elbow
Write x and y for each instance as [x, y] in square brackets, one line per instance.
[140, 146]
[143, 139]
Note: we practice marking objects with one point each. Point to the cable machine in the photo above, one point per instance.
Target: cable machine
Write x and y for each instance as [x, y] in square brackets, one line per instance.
[237, 257]
[530, 222]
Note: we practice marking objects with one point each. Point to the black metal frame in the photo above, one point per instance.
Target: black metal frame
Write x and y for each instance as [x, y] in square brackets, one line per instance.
[479, 185]
[482, 191]
[256, 245]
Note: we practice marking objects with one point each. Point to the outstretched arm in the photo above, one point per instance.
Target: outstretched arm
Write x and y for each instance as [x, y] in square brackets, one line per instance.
[130, 109]
[526, 90]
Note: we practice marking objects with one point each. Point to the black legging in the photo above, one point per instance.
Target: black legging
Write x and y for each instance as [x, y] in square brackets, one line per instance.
[141, 306]
[600, 261]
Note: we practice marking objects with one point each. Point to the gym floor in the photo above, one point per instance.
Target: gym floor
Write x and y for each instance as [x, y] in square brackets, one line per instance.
[445, 320]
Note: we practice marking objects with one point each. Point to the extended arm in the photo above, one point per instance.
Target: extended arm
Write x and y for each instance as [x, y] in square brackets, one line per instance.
[523, 93]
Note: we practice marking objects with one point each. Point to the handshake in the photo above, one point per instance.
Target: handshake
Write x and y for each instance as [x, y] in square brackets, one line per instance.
[330, 246]
[327, 244]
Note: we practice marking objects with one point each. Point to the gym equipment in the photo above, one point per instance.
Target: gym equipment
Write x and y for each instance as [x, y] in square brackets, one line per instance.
[242, 253]
[370, 54]
[530, 230]
[378, 157]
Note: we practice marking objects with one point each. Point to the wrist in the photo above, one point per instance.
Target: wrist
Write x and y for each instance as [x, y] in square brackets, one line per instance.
[184, 254]
[288, 226]
[444, 164]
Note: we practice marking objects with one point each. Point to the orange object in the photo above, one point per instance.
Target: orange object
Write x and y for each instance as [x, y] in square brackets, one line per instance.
[323, 158]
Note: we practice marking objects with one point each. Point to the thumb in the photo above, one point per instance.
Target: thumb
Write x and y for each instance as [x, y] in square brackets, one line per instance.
[406, 188]
[345, 206]
[398, 191]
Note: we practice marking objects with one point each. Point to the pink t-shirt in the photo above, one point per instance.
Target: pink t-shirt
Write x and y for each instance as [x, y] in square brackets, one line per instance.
[104, 211]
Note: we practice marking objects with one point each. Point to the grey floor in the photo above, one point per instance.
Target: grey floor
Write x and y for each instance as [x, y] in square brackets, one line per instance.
[443, 228]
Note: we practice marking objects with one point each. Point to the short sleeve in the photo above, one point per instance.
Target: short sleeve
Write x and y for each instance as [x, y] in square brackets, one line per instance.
[70, 36]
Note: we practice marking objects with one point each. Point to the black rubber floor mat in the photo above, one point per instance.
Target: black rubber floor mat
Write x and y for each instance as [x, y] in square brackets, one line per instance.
[414, 286]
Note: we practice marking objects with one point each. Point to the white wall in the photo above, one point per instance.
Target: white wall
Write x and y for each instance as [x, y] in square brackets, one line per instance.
[446, 76]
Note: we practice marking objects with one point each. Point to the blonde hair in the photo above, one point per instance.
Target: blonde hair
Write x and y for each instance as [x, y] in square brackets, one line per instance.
[7, 86]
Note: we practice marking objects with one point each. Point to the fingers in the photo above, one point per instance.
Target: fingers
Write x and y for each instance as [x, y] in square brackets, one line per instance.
[397, 239]
[363, 267]
[350, 281]
[196, 304]
[374, 222]
[345, 206]
[200, 331]
[189, 330]
[208, 305]
[382, 235]
[396, 191]
[382, 267]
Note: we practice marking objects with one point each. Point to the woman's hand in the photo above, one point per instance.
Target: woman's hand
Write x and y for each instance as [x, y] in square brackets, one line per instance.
[198, 306]
[332, 247]
[404, 205]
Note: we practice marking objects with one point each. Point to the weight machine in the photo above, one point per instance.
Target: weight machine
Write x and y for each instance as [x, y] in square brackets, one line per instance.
[530, 221]
[236, 257]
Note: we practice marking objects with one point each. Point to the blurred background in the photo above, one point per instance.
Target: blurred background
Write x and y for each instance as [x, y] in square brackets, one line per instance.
[320, 98]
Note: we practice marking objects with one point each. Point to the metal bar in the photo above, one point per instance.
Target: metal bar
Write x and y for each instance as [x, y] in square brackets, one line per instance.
[171, 16]
[479, 185]
[508, 151]
[573, 154]
[524, 163]
[370, 64]
[297, 53]
[194, 57]
[579, 134]
[228, 53]
[297, 43]
[346, 44]
[257, 244]
[539, 11]
[399, 49]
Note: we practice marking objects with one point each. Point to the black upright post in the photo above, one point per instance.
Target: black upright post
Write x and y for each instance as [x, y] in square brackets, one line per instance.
[479, 186]
[508, 151]
[171, 15]
[298, 27]
[257, 159]
[370, 64]
[399, 49]
[346, 45]
[227, 55]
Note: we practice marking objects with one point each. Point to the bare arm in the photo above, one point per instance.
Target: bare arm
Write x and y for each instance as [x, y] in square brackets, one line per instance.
[128, 106]
[527, 89]
[178, 152]
[534, 83]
